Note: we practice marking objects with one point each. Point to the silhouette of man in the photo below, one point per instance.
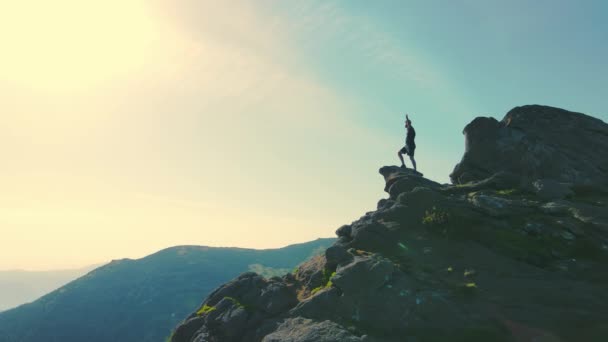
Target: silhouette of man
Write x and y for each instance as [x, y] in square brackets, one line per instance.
[410, 145]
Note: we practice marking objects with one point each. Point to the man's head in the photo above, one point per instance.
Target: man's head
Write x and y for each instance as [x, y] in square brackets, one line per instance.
[408, 123]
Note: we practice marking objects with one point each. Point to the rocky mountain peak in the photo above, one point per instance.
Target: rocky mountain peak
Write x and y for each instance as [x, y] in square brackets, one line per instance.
[536, 143]
[515, 250]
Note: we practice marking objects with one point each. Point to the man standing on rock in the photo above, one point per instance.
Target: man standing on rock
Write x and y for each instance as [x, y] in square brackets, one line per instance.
[410, 145]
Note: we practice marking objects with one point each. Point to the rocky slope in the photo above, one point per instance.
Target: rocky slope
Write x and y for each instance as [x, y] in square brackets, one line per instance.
[515, 250]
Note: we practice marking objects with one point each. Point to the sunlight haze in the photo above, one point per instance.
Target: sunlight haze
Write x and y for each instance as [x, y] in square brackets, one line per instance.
[131, 126]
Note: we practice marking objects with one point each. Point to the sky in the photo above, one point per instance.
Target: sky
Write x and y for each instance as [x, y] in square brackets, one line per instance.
[128, 126]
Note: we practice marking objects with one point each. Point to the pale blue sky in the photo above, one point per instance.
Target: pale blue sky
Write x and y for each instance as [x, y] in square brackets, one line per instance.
[254, 123]
[446, 62]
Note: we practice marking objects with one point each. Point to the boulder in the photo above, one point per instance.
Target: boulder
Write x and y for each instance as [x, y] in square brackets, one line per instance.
[324, 304]
[370, 235]
[230, 319]
[237, 308]
[311, 274]
[364, 274]
[337, 255]
[344, 231]
[537, 142]
[306, 330]
[399, 180]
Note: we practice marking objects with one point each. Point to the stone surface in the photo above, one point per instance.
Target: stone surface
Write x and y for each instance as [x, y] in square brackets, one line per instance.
[365, 273]
[305, 330]
[337, 255]
[537, 142]
[188, 329]
[238, 307]
[594, 215]
[399, 180]
[548, 189]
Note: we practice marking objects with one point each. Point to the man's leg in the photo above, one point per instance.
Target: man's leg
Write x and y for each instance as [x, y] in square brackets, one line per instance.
[413, 162]
[401, 158]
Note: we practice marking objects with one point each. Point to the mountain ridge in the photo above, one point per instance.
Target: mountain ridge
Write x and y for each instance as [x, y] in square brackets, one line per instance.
[141, 299]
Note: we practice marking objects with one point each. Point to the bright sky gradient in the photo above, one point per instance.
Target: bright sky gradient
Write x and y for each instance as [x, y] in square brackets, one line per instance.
[127, 126]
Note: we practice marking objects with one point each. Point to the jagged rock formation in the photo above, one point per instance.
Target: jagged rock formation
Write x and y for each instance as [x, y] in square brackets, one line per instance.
[515, 250]
[550, 146]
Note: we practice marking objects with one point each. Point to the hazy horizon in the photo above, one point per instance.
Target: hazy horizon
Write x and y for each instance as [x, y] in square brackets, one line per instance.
[131, 126]
[19, 270]
[102, 263]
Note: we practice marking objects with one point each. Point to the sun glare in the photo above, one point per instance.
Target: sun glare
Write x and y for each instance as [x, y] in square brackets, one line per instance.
[71, 44]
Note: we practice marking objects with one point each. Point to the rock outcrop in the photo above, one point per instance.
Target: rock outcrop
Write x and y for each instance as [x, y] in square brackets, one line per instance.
[551, 147]
[515, 250]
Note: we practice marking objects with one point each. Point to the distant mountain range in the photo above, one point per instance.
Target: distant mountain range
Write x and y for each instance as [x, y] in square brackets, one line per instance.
[142, 300]
[18, 287]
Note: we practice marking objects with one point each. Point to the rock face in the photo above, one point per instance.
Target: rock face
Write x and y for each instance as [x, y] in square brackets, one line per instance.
[306, 330]
[537, 143]
[517, 253]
